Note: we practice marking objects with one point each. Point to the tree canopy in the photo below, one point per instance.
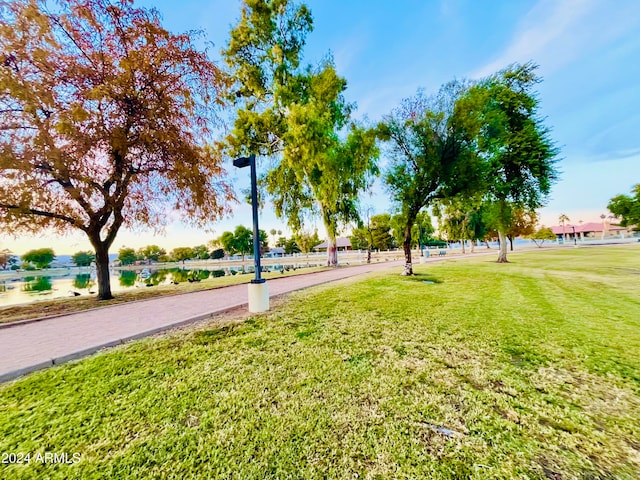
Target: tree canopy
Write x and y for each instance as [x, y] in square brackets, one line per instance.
[106, 118]
[151, 252]
[83, 259]
[40, 258]
[627, 208]
[127, 256]
[431, 155]
[540, 235]
[7, 259]
[294, 114]
[241, 241]
[181, 254]
[518, 154]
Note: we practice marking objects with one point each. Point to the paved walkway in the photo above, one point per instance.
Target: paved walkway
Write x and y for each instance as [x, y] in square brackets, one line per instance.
[33, 346]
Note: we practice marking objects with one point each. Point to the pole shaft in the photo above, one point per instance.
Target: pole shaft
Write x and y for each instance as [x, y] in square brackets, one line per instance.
[254, 208]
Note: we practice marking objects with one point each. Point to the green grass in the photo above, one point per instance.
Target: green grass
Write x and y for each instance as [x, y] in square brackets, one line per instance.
[523, 370]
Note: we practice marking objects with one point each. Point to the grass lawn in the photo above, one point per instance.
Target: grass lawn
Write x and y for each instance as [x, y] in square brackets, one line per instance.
[61, 306]
[523, 370]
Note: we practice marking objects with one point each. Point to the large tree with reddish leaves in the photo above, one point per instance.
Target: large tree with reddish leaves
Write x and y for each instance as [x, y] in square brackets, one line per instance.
[105, 122]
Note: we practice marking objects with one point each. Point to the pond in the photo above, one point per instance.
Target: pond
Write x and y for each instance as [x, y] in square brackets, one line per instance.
[38, 287]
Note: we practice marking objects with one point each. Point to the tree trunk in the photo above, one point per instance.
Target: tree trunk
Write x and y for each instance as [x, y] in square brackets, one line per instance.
[510, 237]
[332, 252]
[463, 252]
[502, 256]
[408, 267]
[102, 270]
[473, 245]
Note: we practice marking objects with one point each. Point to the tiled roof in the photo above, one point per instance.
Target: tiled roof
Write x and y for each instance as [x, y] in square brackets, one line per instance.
[585, 227]
[341, 242]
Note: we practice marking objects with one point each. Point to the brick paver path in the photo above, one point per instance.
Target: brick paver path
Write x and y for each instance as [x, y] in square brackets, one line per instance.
[32, 346]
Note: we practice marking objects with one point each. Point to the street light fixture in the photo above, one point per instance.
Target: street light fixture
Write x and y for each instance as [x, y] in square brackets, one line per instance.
[258, 290]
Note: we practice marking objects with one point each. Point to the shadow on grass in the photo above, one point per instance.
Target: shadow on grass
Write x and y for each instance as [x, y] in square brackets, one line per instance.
[423, 278]
[206, 337]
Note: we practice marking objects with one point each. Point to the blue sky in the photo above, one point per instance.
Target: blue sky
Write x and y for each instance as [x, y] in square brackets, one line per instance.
[589, 57]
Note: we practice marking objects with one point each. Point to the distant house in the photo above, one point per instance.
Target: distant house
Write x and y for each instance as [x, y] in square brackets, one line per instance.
[592, 230]
[274, 252]
[343, 244]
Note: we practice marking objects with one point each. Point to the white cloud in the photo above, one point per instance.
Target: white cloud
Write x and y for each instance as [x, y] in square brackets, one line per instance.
[556, 32]
[544, 27]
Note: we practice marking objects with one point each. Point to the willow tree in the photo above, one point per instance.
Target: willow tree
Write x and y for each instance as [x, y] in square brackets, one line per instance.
[431, 155]
[105, 121]
[519, 156]
[294, 114]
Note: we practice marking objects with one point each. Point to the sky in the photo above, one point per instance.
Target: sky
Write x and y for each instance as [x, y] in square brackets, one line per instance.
[588, 52]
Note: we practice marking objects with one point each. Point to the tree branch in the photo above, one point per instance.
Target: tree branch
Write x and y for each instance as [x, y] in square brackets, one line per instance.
[41, 213]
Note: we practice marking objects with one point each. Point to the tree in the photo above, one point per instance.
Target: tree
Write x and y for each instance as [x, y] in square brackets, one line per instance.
[319, 172]
[217, 254]
[627, 208]
[291, 246]
[360, 238]
[240, 241]
[464, 217]
[431, 155]
[243, 241]
[181, 254]
[83, 259]
[41, 257]
[453, 219]
[523, 223]
[105, 118]
[264, 53]
[127, 256]
[421, 230]
[563, 219]
[380, 226]
[151, 252]
[201, 252]
[7, 259]
[295, 113]
[306, 241]
[519, 156]
[540, 235]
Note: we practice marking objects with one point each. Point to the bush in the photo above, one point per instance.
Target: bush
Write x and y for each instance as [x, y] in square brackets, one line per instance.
[217, 254]
[217, 273]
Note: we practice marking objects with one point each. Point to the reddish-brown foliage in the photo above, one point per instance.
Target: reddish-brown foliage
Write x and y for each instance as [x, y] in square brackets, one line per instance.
[105, 121]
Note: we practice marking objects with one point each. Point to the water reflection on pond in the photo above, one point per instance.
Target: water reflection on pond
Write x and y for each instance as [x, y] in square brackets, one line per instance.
[33, 288]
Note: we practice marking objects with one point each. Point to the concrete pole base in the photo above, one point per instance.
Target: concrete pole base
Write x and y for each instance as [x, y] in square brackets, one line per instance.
[258, 297]
[423, 259]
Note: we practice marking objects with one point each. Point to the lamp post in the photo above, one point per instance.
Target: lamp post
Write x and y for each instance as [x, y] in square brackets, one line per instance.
[258, 290]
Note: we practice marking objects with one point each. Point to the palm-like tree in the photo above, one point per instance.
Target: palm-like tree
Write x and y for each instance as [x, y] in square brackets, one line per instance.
[563, 219]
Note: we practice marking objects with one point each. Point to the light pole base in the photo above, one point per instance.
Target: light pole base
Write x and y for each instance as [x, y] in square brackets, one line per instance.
[258, 297]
